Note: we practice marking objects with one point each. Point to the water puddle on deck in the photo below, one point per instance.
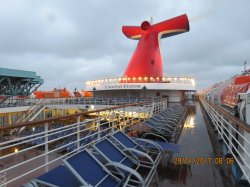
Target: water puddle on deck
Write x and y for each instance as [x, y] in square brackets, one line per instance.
[196, 164]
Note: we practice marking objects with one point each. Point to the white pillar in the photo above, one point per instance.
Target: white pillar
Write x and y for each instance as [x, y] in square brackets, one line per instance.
[132, 123]
[113, 120]
[46, 146]
[99, 123]
[124, 121]
[78, 132]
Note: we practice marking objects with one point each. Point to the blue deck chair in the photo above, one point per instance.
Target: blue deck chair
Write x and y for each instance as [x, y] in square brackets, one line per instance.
[59, 176]
[169, 114]
[165, 146]
[169, 117]
[167, 124]
[174, 110]
[126, 143]
[126, 165]
[89, 171]
[158, 129]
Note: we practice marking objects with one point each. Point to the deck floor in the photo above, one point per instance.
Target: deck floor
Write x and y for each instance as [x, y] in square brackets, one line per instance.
[202, 169]
[195, 143]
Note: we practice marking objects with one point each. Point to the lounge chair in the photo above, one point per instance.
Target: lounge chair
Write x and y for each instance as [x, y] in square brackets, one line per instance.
[165, 146]
[119, 162]
[158, 129]
[89, 171]
[59, 176]
[124, 142]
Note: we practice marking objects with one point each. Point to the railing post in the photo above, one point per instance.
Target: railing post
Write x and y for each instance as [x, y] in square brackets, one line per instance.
[99, 123]
[46, 146]
[144, 111]
[113, 120]
[132, 123]
[230, 138]
[78, 132]
[139, 117]
[124, 120]
[158, 107]
[165, 104]
[220, 122]
[109, 118]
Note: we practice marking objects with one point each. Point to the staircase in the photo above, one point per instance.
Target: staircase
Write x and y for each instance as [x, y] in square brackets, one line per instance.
[32, 112]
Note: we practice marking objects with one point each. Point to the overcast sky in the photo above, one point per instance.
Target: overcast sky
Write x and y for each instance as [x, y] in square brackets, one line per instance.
[70, 42]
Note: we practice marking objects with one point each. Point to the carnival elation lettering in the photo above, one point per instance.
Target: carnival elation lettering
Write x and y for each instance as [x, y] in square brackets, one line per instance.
[131, 86]
[123, 86]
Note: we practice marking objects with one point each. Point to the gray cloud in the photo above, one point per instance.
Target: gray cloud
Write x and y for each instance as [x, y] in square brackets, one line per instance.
[70, 42]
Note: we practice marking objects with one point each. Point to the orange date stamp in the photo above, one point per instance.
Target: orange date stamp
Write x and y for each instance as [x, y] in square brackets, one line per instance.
[203, 160]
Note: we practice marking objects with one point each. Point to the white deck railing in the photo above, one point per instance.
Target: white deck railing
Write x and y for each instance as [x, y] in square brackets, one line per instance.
[71, 101]
[182, 80]
[28, 156]
[227, 131]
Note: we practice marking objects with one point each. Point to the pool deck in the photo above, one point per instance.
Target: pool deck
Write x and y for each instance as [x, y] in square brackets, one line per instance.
[196, 164]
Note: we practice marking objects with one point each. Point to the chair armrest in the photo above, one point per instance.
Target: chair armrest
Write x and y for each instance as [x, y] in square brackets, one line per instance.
[140, 153]
[127, 169]
[156, 135]
[157, 146]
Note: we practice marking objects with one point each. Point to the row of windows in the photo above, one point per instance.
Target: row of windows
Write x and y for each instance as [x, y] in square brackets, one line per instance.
[47, 113]
[4, 119]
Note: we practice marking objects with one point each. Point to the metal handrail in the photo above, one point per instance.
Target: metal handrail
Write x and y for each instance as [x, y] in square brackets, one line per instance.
[31, 112]
[75, 130]
[243, 125]
[224, 123]
[73, 100]
[38, 122]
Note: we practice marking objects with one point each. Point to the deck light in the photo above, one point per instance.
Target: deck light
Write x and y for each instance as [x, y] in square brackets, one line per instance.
[193, 82]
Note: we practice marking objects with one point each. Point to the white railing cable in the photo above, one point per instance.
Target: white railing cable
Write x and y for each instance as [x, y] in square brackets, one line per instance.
[226, 130]
[32, 142]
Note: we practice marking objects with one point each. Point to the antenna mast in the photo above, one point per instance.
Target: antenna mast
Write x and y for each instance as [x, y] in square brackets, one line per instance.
[151, 20]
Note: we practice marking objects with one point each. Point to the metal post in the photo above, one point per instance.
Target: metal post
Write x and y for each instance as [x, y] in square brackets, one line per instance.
[78, 132]
[99, 129]
[164, 104]
[113, 120]
[158, 107]
[221, 126]
[94, 89]
[132, 123]
[144, 110]
[124, 113]
[230, 137]
[109, 118]
[46, 150]
[139, 117]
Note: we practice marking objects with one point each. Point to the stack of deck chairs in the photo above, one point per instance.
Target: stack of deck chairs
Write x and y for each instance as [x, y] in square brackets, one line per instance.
[167, 122]
[117, 159]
